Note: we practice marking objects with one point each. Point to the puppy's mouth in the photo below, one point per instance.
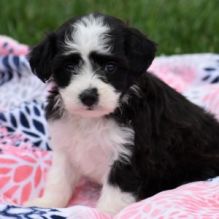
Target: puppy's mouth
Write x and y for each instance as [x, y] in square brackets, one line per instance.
[91, 108]
[91, 111]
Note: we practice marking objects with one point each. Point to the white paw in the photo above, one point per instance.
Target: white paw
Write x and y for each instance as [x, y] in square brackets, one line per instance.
[106, 210]
[43, 203]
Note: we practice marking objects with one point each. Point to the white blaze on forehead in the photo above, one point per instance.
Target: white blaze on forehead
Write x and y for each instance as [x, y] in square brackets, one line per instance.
[89, 34]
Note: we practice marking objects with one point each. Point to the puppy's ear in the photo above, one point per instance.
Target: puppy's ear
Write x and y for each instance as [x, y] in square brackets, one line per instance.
[41, 57]
[140, 51]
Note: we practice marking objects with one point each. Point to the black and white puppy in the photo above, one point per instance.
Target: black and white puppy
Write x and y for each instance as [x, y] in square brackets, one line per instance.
[111, 121]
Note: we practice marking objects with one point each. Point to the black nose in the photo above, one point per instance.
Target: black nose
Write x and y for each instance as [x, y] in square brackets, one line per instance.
[89, 97]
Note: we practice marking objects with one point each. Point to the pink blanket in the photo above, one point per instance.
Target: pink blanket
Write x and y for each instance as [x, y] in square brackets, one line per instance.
[23, 166]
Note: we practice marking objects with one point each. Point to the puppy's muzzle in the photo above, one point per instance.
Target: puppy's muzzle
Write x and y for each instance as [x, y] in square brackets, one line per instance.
[89, 97]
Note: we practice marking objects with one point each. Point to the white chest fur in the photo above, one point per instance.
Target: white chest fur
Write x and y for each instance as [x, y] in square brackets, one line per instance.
[90, 144]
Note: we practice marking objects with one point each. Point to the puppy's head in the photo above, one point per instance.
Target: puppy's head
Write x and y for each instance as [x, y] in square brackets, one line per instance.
[93, 60]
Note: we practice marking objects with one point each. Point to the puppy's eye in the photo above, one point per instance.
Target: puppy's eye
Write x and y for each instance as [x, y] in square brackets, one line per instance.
[70, 67]
[110, 67]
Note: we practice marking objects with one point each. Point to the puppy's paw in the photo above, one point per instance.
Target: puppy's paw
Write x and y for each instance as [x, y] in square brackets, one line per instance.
[43, 203]
[112, 200]
[102, 207]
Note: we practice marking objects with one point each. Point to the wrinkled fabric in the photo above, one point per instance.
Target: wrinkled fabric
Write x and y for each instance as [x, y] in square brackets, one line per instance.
[25, 150]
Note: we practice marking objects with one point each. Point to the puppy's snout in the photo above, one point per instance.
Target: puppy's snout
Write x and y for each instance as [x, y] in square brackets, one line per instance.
[89, 97]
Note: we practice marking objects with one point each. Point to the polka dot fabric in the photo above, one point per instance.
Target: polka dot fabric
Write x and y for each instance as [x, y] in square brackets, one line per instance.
[25, 155]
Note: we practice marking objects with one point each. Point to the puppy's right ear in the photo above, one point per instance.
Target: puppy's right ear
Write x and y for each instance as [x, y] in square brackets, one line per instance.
[41, 57]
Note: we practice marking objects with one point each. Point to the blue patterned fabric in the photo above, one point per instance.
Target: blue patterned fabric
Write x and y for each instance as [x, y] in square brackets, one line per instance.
[23, 109]
[22, 98]
[10, 66]
[29, 120]
[15, 212]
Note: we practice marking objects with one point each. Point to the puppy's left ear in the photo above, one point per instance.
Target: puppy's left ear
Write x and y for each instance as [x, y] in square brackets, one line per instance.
[140, 51]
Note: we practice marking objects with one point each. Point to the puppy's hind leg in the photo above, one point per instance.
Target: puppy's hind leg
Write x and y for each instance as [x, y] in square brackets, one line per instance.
[61, 181]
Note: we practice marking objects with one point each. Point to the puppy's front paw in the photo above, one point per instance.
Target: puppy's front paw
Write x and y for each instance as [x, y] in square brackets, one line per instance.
[43, 203]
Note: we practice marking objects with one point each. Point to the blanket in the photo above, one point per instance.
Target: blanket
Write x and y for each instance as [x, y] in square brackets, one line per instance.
[25, 149]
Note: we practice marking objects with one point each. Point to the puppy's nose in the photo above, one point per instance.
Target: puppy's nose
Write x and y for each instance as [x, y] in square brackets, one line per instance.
[89, 97]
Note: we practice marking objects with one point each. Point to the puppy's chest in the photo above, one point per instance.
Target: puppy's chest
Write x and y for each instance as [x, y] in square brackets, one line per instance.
[92, 144]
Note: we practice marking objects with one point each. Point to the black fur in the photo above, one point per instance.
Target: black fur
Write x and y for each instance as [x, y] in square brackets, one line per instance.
[130, 48]
[54, 109]
[175, 141]
[41, 57]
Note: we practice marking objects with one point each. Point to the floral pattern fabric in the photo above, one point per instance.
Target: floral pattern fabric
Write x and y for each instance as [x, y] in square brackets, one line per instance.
[25, 150]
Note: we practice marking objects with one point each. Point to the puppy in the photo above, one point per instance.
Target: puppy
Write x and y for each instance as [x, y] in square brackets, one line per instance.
[111, 121]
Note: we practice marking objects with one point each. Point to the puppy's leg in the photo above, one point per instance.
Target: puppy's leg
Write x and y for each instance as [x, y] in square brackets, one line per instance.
[61, 181]
[119, 188]
[113, 199]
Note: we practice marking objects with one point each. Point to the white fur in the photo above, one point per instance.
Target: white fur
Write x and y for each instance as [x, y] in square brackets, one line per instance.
[84, 142]
[135, 88]
[90, 144]
[82, 147]
[60, 184]
[112, 199]
[89, 34]
[108, 97]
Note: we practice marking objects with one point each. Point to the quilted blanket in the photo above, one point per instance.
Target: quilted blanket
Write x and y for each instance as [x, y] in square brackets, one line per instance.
[25, 150]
